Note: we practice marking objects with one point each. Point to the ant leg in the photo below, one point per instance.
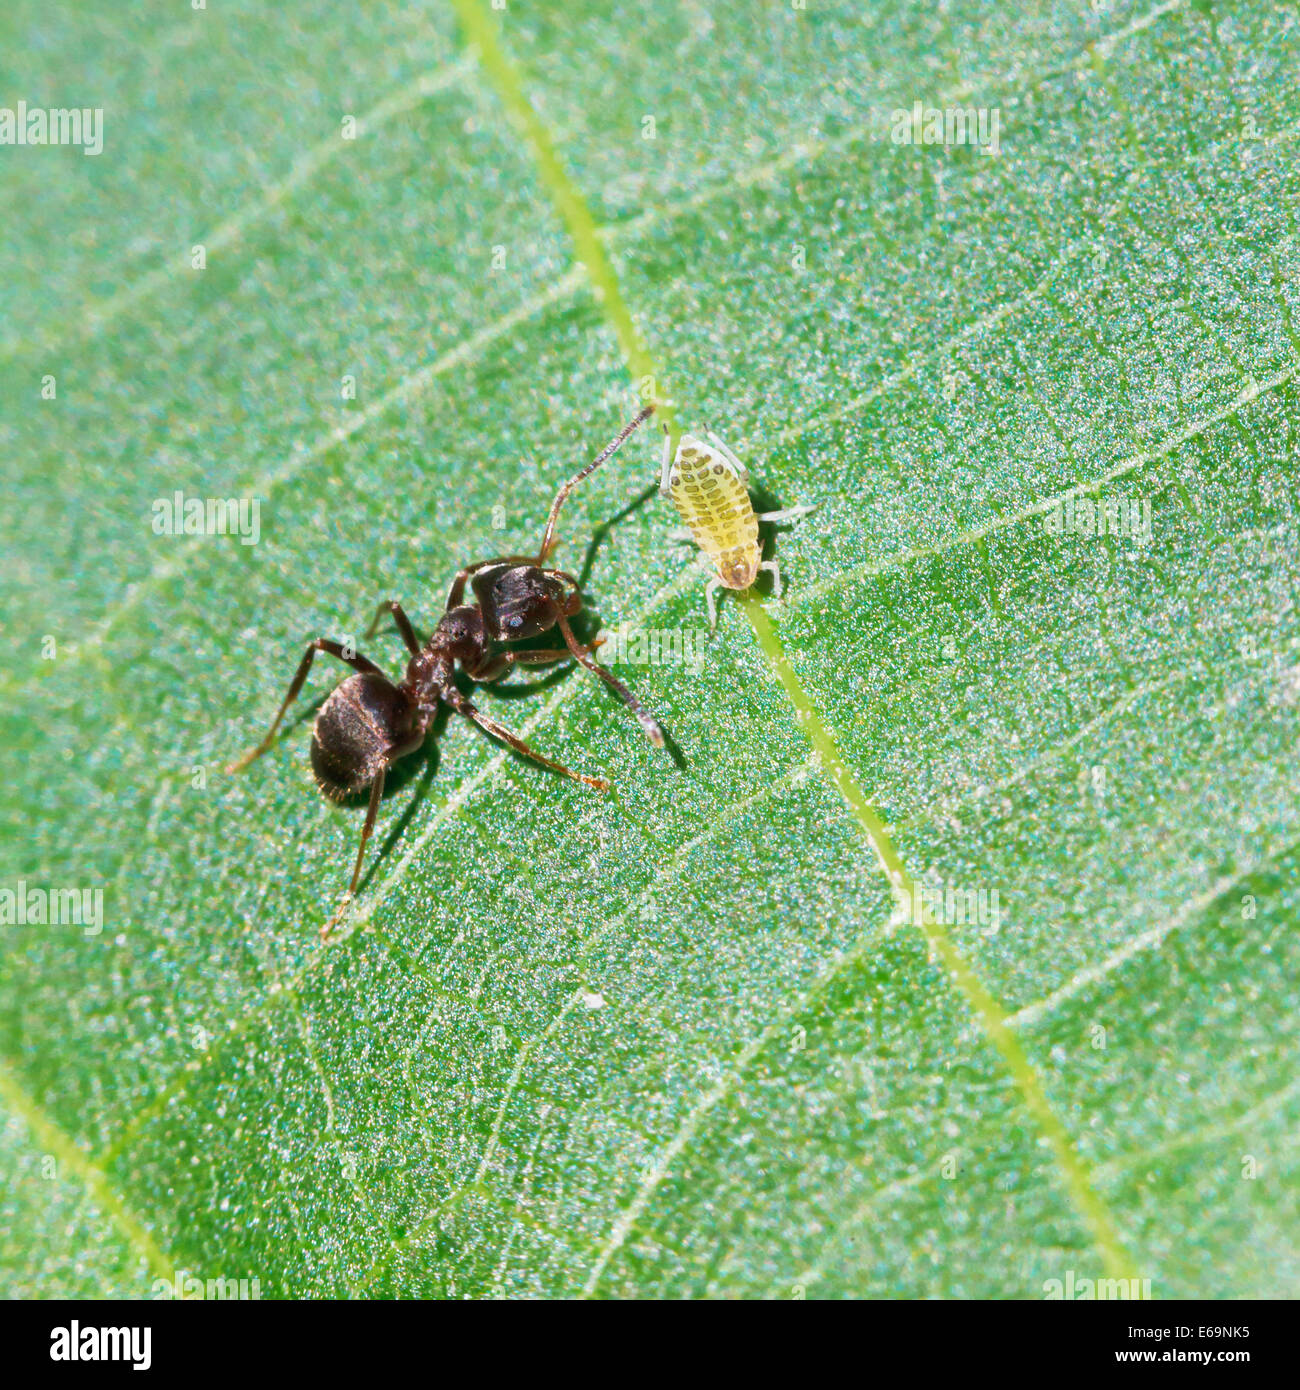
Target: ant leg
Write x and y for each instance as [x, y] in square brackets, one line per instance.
[666, 468]
[548, 541]
[376, 792]
[462, 706]
[496, 666]
[546, 658]
[729, 456]
[710, 589]
[649, 725]
[321, 644]
[402, 622]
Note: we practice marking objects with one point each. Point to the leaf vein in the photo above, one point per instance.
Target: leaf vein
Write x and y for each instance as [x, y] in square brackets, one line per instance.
[92, 1176]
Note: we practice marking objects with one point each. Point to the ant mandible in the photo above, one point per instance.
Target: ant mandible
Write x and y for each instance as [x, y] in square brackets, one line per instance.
[368, 722]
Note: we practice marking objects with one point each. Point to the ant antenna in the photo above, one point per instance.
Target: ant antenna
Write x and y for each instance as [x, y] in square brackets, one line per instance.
[548, 541]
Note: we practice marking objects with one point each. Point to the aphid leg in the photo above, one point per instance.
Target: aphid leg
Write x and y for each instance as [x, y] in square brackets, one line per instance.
[548, 536]
[774, 570]
[666, 468]
[710, 589]
[376, 792]
[729, 456]
[321, 644]
[400, 621]
[649, 724]
[788, 513]
[463, 706]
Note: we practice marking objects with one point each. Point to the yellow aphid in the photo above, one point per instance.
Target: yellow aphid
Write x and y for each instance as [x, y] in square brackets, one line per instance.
[708, 485]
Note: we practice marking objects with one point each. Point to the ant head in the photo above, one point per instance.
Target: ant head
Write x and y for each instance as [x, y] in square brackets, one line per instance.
[462, 630]
[526, 600]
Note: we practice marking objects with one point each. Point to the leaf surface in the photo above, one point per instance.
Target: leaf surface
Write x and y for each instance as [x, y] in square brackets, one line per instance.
[677, 1040]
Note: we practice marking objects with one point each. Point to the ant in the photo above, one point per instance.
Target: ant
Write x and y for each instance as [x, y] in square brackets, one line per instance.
[368, 722]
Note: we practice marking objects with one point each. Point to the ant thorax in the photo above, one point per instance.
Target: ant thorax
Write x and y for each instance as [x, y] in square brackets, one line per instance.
[428, 674]
[459, 637]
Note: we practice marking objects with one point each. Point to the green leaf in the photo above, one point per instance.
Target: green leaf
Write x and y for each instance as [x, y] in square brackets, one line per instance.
[955, 953]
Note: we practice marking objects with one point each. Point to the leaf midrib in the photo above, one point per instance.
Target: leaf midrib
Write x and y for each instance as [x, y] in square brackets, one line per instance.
[991, 1016]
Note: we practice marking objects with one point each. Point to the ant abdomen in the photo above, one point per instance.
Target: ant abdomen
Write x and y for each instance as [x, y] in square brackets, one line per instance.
[357, 730]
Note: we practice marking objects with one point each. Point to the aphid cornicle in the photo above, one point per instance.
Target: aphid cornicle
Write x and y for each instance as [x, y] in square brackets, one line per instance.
[709, 486]
[370, 721]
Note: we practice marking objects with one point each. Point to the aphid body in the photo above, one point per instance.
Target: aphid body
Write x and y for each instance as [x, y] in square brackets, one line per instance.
[711, 498]
[709, 486]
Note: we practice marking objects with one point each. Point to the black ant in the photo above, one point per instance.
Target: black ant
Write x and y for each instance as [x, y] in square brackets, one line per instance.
[368, 723]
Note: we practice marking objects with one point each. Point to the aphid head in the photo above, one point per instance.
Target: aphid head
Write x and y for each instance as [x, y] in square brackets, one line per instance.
[525, 601]
[737, 572]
